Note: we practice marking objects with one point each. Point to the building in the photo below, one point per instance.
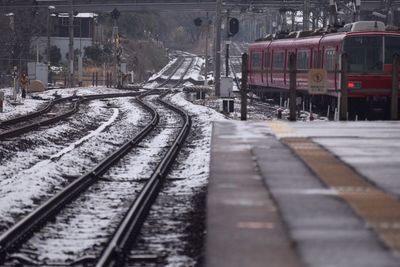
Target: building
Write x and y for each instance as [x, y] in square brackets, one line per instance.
[84, 28]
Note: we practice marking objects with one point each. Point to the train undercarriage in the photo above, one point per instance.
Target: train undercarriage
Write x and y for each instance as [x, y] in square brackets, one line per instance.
[359, 108]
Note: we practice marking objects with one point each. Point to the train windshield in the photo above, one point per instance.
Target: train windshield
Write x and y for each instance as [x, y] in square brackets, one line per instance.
[365, 54]
[392, 46]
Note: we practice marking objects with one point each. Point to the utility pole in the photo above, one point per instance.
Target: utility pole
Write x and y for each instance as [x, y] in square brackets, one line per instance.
[332, 13]
[71, 43]
[243, 88]
[117, 47]
[217, 49]
[206, 52]
[292, 86]
[394, 109]
[357, 11]
[227, 45]
[306, 15]
[49, 10]
[343, 89]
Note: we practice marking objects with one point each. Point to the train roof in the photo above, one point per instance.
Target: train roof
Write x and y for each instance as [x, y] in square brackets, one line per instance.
[325, 35]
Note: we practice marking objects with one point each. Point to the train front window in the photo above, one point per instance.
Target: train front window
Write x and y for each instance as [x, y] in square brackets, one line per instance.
[392, 46]
[365, 54]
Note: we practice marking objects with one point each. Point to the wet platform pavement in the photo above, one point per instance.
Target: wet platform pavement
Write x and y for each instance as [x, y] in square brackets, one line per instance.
[304, 194]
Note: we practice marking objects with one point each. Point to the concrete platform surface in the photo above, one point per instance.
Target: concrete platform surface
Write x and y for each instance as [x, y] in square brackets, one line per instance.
[267, 206]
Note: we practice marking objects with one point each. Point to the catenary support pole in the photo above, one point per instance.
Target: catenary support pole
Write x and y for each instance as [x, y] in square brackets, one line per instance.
[206, 52]
[292, 87]
[243, 88]
[227, 45]
[71, 44]
[394, 109]
[217, 49]
[343, 89]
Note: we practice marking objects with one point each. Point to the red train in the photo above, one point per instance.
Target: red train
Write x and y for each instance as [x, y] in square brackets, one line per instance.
[370, 49]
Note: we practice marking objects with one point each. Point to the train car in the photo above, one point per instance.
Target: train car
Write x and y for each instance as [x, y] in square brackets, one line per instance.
[369, 48]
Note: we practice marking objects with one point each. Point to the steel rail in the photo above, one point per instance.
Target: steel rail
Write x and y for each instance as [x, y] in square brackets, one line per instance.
[172, 73]
[24, 228]
[29, 127]
[36, 113]
[114, 253]
[184, 74]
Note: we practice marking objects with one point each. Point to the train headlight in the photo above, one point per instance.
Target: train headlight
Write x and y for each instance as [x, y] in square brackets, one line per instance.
[354, 85]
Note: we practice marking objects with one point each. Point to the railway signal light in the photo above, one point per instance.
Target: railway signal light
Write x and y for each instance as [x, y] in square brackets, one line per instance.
[115, 14]
[197, 22]
[233, 27]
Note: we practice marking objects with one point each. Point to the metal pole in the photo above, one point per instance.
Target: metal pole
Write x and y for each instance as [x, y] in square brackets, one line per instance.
[71, 43]
[227, 46]
[217, 67]
[292, 86]
[332, 13]
[394, 110]
[206, 53]
[390, 12]
[306, 15]
[357, 15]
[227, 60]
[48, 37]
[243, 89]
[343, 90]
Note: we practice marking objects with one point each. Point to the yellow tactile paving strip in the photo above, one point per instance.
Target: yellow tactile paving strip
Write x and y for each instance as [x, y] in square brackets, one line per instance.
[380, 210]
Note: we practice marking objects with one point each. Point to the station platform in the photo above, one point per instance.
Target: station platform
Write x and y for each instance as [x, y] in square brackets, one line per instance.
[316, 194]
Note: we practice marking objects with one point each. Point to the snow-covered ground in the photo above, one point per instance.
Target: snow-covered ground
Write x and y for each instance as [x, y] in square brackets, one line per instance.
[37, 164]
[61, 152]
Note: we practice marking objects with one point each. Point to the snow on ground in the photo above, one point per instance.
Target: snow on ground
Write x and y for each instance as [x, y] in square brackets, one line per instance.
[46, 166]
[197, 163]
[11, 111]
[195, 72]
[31, 103]
[176, 210]
[74, 238]
[36, 171]
[179, 72]
[159, 74]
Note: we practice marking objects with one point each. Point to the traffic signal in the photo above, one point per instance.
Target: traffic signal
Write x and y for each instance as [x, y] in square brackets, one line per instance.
[233, 27]
[115, 14]
[197, 22]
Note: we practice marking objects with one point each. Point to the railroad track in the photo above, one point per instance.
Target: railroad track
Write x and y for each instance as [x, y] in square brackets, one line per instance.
[173, 76]
[113, 254]
[186, 66]
[54, 111]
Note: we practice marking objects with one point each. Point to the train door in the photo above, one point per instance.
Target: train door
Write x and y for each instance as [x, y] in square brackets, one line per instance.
[303, 65]
[329, 64]
[278, 67]
[256, 67]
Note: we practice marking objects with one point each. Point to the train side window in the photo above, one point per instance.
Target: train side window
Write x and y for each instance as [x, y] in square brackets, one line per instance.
[278, 60]
[329, 59]
[392, 46]
[256, 60]
[303, 60]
